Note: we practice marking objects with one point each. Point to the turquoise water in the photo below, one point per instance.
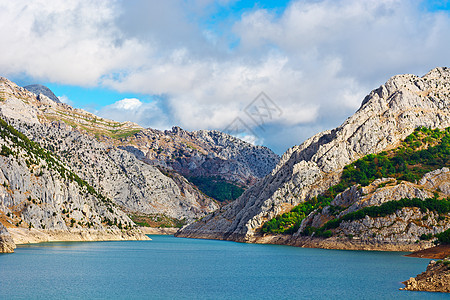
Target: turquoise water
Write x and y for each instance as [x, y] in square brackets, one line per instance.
[176, 268]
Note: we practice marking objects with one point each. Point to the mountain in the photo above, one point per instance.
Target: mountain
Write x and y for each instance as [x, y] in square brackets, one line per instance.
[305, 173]
[39, 191]
[206, 153]
[41, 89]
[138, 171]
[86, 143]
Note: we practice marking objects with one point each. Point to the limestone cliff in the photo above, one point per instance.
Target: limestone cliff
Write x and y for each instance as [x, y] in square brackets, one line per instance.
[6, 242]
[387, 115]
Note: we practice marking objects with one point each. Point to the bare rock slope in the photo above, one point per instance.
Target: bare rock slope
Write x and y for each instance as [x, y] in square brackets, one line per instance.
[387, 115]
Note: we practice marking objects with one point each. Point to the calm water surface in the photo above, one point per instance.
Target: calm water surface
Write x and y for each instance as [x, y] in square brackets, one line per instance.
[176, 268]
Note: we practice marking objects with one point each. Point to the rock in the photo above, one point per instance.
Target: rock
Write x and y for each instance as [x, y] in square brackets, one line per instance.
[203, 153]
[435, 279]
[134, 185]
[6, 242]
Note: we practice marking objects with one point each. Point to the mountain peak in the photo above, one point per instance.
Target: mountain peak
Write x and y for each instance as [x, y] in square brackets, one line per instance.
[41, 89]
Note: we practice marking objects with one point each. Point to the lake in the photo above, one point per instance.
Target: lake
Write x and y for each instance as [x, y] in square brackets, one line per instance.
[178, 268]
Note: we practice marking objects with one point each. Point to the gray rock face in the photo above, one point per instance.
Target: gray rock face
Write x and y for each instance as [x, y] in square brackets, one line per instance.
[386, 116]
[41, 89]
[6, 242]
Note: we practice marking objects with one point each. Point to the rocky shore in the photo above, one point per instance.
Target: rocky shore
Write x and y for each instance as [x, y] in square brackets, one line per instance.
[27, 236]
[6, 242]
[159, 231]
[340, 243]
[435, 279]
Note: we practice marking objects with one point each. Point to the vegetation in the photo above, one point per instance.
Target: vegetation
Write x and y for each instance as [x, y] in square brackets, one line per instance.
[97, 127]
[157, 220]
[217, 188]
[422, 151]
[385, 209]
[444, 237]
[289, 222]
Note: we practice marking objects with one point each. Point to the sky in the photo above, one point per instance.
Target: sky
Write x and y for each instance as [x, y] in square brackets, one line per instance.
[271, 72]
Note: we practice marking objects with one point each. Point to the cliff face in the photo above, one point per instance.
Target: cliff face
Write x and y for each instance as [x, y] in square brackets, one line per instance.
[386, 116]
[6, 242]
[401, 230]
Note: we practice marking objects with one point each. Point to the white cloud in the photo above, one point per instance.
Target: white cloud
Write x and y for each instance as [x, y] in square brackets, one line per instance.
[147, 114]
[65, 99]
[73, 42]
[316, 60]
[127, 104]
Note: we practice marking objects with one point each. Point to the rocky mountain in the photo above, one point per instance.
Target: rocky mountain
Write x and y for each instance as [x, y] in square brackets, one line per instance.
[386, 117]
[41, 89]
[136, 168]
[39, 191]
[205, 153]
[85, 143]
[202, 153]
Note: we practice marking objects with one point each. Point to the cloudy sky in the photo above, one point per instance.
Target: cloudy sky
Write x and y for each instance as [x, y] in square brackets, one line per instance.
[272, 72]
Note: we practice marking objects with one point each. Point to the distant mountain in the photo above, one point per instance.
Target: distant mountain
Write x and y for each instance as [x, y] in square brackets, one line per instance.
[41, 89]
[203, 153]
[309, 176]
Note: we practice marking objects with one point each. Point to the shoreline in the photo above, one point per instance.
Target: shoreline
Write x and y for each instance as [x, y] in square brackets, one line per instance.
[22, 236]
[159, 231]
[334, 243]
[436, 252]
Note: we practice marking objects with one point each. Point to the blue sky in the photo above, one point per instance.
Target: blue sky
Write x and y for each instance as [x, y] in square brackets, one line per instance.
[199, 64]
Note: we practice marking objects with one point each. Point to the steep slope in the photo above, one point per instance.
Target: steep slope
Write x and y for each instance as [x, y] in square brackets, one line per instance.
[85, 142]
[39, 191]
[387, 116]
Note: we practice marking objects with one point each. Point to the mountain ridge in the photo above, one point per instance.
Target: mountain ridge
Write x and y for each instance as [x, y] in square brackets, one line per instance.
[387, 115]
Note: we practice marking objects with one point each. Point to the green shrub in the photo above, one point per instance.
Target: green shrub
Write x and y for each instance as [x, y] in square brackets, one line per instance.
[444, 237]
[426, 237]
